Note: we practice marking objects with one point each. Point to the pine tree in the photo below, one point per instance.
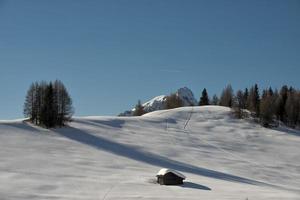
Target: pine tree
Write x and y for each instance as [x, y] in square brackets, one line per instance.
[139, 109]
[48, 109]
[280, 103]
[215, 100]
[245, 97]
[267, 107]
[204, 100]
[254, 100]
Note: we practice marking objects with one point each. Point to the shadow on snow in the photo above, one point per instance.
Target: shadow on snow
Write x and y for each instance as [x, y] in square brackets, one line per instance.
[149, 158]
[116, 123]
[21, 125]
[187, 184]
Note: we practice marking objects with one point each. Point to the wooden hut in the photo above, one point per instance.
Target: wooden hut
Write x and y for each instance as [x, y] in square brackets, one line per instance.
[169, 177]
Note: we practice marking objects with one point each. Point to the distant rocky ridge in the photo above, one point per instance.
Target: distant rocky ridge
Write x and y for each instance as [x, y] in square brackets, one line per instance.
[159, 102]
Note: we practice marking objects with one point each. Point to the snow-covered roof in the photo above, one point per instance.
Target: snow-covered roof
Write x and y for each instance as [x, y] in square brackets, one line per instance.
[164, 171]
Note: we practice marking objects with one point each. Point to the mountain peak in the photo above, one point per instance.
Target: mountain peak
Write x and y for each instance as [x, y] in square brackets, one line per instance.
[159, 102]
[187, 96]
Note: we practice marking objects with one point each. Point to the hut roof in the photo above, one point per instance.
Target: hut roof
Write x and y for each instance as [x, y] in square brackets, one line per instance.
[165, 171]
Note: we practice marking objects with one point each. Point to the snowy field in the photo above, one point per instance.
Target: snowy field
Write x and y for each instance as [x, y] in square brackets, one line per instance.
[118, 158]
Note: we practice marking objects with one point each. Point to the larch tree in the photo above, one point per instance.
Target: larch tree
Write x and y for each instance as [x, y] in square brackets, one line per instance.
[48, 104]
[226, 98]
[173, 101]
[292, 108]
[29, 105]
[239, 104]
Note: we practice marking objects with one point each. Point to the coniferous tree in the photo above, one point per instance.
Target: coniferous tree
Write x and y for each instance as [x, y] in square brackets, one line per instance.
[292, 108]
[215, 100]
[204, 100]
[47, 104]
[298, 99]
[245, 98]
[267, 107]
[270, 91]
[48, 109]
[280, 104]
[63, 102]
[254, 100]
[226, 98]
[139, 109]
[42, 87]
[29, 105]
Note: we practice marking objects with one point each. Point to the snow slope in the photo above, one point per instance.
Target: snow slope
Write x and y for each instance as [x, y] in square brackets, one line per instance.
[118, 158]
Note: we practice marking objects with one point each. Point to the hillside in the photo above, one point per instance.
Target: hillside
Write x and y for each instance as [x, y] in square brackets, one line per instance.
[118, 157]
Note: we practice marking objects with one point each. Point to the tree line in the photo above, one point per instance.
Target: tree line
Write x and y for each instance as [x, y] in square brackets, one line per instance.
[270, 107]
[48, 104]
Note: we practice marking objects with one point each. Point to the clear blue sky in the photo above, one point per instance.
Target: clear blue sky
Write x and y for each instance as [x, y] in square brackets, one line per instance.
[111, 53]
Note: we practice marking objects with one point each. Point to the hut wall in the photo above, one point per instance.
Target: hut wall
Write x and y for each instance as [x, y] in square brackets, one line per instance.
[169, 179]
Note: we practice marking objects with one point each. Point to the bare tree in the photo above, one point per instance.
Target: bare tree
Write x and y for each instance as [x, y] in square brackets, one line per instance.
[239, 104]
[226, 98]
[292, 107]
[173, 101]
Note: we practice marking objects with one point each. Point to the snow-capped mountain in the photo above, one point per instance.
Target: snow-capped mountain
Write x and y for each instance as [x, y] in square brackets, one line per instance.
[187, 96]
[159, 102]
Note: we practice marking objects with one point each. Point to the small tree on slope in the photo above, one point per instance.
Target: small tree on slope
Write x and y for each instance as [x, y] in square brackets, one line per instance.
[204, 100]
[139, 109]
